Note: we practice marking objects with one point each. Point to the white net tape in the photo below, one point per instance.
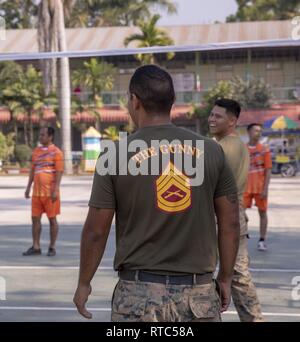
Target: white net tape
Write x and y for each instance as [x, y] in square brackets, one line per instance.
[276, 43]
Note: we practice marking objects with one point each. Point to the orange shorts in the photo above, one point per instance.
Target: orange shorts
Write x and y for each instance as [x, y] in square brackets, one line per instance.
[261, 203]
[40, 205]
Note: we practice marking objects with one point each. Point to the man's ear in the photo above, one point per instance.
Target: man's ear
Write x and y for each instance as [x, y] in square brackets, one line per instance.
[232, 120]
[136, 102]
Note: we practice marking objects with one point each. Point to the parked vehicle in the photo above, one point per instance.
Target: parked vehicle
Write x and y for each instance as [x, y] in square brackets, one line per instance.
[285, 165]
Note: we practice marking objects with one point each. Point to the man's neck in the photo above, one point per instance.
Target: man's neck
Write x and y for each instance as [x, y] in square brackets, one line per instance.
[253, 142]
[231, 133]
[47, 145]
[154, 120]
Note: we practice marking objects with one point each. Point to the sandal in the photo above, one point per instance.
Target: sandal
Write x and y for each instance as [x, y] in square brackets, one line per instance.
[32, 251]
[51, 252]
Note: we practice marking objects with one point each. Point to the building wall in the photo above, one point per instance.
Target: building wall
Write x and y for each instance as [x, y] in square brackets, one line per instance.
[278, 72]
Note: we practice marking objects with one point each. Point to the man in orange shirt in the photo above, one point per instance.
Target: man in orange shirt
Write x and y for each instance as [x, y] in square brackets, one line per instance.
[258, 179]
[46, 172]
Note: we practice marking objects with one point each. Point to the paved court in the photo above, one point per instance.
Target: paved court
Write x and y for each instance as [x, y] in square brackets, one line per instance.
[41, 288]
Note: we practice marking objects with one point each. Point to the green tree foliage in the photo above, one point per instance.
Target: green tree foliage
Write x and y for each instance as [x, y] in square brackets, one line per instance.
[4, 154]
[23, 93]
[93, 13]
[95, 76]
[151, 36]
[253, 93]
[256, 10]
[201, 113]
[10, 73]
[22, 154]
[18, 14]
[22, 14]
[7, 144]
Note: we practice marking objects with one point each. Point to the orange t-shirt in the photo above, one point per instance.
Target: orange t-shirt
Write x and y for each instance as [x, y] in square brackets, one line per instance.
[46, 161]
[260, 160]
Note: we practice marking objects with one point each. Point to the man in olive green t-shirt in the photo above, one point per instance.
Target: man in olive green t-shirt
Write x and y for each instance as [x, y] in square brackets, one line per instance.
[166, 236]
[222, 124]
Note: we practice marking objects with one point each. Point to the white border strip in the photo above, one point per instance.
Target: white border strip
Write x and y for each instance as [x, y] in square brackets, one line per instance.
[155, 49]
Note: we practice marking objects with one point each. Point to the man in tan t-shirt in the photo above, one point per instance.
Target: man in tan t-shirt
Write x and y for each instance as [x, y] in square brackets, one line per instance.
[222, 124]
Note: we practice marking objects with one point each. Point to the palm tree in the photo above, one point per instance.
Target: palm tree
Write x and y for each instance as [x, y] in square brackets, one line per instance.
[98, 77]
[151, 36]
[95, 75]
[51, 37]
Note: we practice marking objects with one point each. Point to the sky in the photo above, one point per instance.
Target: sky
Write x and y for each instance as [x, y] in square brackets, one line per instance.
[190, 12]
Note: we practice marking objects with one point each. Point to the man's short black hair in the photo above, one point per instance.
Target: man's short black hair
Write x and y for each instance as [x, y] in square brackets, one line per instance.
[154, 87]
[252, 125]
[50, 132]
[231, 106]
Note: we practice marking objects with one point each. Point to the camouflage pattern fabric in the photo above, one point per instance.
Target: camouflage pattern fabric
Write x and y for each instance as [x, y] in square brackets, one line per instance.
[243, 220]
[135, 301]
[243, 290]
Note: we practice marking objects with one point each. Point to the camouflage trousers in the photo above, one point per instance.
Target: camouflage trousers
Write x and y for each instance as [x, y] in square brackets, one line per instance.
[243, 290]
[136, 301]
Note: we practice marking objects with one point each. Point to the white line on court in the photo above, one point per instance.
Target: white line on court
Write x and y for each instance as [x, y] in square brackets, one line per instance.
[275, 314]
[279, 270]
[276, 270]
[36, 308]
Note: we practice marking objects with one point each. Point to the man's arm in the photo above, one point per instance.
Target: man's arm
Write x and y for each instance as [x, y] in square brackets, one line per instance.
[93, 241]
[59, 168]
[227, 212]
[264, 194]
[268, 171]
[30, 181]
[58, 176]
